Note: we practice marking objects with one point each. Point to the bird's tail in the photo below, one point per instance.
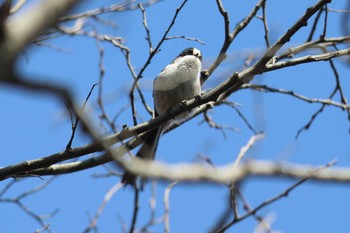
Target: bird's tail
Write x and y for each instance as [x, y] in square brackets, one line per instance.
[147, 151]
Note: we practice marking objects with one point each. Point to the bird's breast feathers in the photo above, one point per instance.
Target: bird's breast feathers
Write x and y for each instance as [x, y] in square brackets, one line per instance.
[182, 70]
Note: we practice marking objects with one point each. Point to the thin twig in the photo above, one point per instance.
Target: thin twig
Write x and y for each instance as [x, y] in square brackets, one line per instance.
[233, 200]
[226, 18]
[328, 102]
[111, 192]
[325, 22]
[255, 215]
[167, 207]
[230, 37]
[118, 7]
[214, 125]
[314, 25]
[18, 201]
[245, 148]
[241, 115]
[145, 25]
[152, 204]
[341, 11]
[307, 59]
[19, 4]
[104, 116]
[8, 186]
[266, 28]
[117, 42]
[136, 208]
[273, 199]
[339, 88]
[186, 38]
[77, 119]
[320, 44]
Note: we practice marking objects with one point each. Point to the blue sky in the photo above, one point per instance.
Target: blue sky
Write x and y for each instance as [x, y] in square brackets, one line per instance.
[35, 125]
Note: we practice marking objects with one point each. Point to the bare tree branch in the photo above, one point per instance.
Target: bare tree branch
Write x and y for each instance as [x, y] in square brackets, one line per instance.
[20, 33]
[328, 102]
[118, 7]
[111, 192]
[269, 201]
[18, 201]
[167, 207]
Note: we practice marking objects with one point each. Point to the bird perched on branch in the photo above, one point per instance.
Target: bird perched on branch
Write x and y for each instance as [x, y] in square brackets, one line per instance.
[179, 81]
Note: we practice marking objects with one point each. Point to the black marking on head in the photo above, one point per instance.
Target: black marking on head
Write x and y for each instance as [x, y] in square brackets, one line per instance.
[188, 51]
[191, 51]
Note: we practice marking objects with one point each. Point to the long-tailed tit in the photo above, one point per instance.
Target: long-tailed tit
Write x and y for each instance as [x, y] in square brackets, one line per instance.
[179, 81]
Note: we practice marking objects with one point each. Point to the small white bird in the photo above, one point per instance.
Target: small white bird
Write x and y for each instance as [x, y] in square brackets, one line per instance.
[179, 81]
